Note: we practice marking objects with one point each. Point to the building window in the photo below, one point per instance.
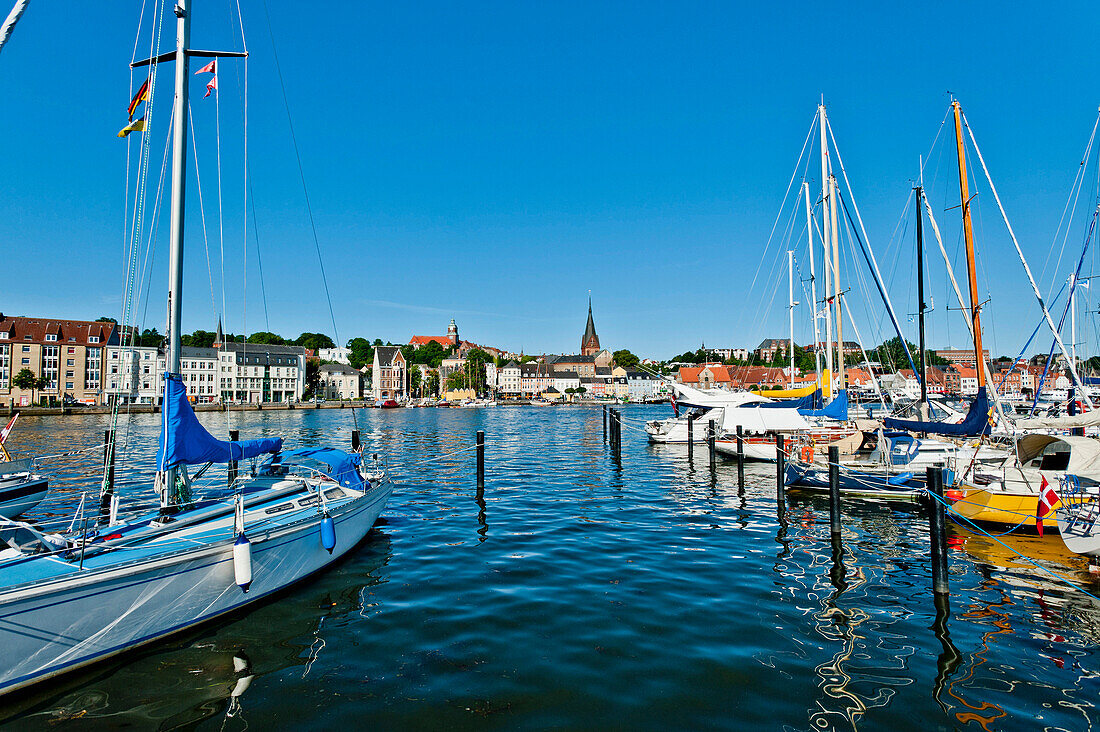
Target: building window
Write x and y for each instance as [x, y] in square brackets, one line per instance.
[93, 339]
[72, 338]
[51, 336]
[68, 385]
[4, 334]
[70, 362]
[26, 349]
[26, 361]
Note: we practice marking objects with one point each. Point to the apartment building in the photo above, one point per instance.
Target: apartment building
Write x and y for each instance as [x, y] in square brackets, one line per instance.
[254, 373]
[390, 376]
[340, 382]
[69, 354]
[135, 374]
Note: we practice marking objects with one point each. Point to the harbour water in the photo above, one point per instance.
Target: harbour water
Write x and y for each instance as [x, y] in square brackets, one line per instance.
[577, 593]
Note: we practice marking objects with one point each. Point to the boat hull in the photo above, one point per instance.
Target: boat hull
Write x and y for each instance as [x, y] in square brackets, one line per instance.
[1009, 508]
[813, 477]
[53, 627]
[19, 496]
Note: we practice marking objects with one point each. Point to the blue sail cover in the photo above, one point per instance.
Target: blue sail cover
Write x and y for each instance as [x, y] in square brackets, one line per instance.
[183, 441]
[810, 401]
[836, 409]
[336, 464]
[975, 423]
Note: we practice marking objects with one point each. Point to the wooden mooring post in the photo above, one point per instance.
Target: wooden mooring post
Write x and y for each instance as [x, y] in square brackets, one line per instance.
[780, 470]
[106, 494]
[834, 490]
[231, 469]
[710, 445]
[740, 457]
[605, 424]
[691, 432]
[937, 529]
[355, 440]
[481, 459]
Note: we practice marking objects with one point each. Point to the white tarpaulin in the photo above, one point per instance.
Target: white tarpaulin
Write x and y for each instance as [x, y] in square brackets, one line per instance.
[759, 419]
[1088, 419]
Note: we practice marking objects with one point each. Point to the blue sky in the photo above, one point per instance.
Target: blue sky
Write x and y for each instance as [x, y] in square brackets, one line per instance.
[496, 161]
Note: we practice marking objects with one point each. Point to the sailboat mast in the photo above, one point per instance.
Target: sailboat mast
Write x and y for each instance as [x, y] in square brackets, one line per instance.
[920, 293]
[179, 181]
[825, 244]
[836, 283]
[968, 234]
[790, 312]
[813, 280]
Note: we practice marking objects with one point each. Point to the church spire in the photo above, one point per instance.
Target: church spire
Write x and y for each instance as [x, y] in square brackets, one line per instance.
[219, 338]
[590, 342]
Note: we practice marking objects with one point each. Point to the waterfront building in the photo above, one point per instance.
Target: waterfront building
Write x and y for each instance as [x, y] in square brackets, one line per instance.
[452, 340]
[508, 379]
[254, 373]
[340, 354]
[563, 380]
[707, 376]
[135, 374]
[390, 378]
[769, 347]
[641, 385]
[337, 381]
[960, 355]
[69, 354]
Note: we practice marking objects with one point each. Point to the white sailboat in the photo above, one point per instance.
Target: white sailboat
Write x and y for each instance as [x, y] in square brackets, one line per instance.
[104, 587]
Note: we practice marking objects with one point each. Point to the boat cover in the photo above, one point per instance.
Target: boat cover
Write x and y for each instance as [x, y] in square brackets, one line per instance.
[336, 464]
[183, 441]
[799, 392]
[758, 419]
[975, 423]
[1088, 419]
[836, 409]
[1084, 452]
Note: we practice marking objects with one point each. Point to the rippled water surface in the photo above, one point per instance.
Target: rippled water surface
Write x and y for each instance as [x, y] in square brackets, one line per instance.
[577, 593]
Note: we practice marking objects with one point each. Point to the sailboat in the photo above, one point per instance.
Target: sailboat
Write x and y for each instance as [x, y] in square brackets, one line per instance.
[21, 487]
[113, 583]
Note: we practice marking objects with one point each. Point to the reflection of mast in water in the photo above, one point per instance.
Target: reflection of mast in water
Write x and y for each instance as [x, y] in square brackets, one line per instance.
[950, 659]
[1000, 623]
[836, 679]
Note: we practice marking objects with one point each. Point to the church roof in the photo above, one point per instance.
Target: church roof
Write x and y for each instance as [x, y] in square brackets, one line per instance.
[590, 328]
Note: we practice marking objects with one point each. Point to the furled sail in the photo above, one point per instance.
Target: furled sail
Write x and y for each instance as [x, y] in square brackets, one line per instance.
[976, 422]
[183, 441]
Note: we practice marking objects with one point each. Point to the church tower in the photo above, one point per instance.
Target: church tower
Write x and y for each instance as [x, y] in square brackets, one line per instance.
[452, 333]
[590, 342]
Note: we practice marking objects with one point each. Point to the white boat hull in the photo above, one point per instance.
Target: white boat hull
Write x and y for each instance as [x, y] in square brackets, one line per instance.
[53, 627]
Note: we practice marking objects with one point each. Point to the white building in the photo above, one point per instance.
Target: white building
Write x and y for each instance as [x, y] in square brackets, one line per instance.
[562, 380]
[641, 385]
[255, 372]
[337, 381]
[508, 379]
[135, 375]
[339, 355]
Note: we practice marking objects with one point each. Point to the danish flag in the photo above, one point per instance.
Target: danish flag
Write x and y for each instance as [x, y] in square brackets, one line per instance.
[1045, 504]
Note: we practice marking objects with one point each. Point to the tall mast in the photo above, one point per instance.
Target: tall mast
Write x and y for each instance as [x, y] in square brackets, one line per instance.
[825, 244]
[179, 181]
[836, 283]
[790, 311]
[920, 293]
[972, 277]
[813, 280]
[1073, 318]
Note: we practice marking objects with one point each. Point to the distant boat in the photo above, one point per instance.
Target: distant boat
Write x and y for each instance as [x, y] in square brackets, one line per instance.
[21, 488]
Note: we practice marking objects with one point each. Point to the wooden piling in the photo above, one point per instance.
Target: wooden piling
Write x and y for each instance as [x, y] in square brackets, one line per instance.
[108, 475]
[710, 445]
[780, 469]
[834, 490]
[937, 529]
[481, 459]
[355, 440]
[231, 469]
[740, 457]
[691, 431]
[605, 424]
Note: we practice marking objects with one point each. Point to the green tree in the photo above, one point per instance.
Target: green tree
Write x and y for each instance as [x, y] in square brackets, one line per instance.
[416, 379]
[314, 341]
[150, 337]
[430, 354]
[361, 353]
[26, 380]
[432, 384]
[106, 319]
[626, 359]
[378, 342]
[313, 378]
[200, 339]
[475, 367]
[267, 338]
[456, 380]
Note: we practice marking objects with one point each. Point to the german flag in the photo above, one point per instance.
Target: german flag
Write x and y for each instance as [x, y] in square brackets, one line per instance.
[141, 96]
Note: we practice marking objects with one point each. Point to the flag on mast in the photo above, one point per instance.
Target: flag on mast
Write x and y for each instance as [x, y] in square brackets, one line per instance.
[7, 429]
[210, 68]
[137, 125]
[211, 86]
[141, 96]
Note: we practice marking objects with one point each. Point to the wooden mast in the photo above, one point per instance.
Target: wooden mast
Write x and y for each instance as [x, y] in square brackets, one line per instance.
[964, 192]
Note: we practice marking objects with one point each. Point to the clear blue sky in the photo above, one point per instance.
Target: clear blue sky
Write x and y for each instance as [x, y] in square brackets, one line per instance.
[496, 161]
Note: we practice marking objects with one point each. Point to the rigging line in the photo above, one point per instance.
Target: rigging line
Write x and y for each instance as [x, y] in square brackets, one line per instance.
[221, 207]
[1078, 184]
[144, 282]
[783, 203]
[259, 260]
[301, 170]
[202, 209]
[1027, 269]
